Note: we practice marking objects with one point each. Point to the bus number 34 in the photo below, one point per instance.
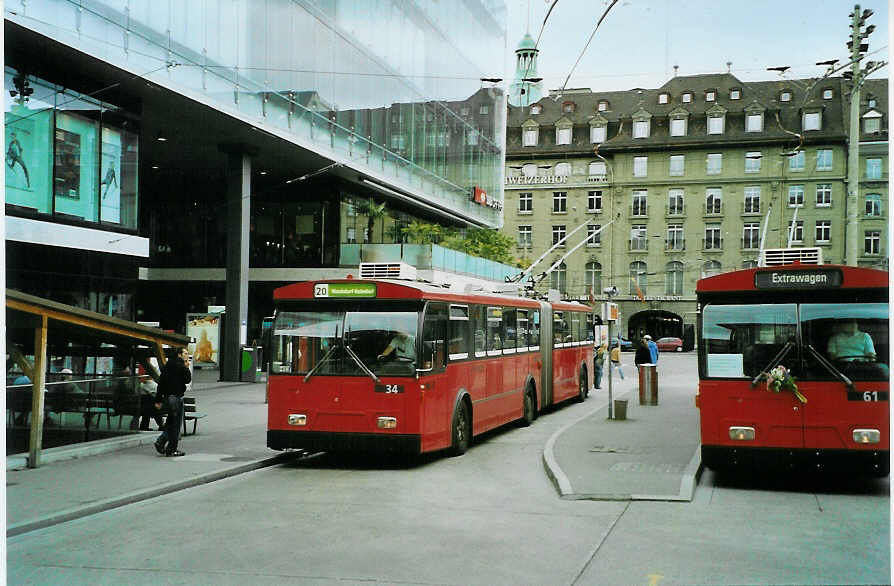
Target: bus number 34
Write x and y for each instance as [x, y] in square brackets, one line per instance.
[389, 389]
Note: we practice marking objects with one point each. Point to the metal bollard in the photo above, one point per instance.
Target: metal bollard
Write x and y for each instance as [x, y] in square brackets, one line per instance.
[648, 384]
[620, 409]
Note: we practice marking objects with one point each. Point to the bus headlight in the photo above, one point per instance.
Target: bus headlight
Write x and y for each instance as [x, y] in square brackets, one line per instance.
[867, 436]
[297, 419]
[386, 423]
[741, 433]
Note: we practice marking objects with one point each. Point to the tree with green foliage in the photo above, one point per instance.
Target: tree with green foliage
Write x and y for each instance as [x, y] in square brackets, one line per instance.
[373, 212]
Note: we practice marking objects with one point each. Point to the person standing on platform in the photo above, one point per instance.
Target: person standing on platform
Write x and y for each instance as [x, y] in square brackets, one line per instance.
[643, 354]
[598, 363]
[653, 348]
[175, 375]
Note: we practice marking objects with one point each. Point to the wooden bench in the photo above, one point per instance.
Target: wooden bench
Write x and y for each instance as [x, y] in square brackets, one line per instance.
[190, 414]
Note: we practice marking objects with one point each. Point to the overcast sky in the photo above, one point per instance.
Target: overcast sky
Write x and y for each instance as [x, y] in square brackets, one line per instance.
[640, 41]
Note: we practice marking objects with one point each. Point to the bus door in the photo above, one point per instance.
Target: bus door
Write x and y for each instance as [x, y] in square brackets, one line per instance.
[477, 366]
[489, 409]
[511, 384]
[845, 377]
[437, 390]
[741, 342]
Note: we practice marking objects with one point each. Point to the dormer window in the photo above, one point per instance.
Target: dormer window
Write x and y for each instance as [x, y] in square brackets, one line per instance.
[641, 123]
[568, 107]
[735, 94]
[603, 106]
[828, 94]
[687, 97]
[536, 109]
[710, 96]
[663, 98]
[679, 119]
[871, 103]
[530, 133]
[785, 96]
[754, 122]
[872, 122]
[598, 134]
[563, 131]
[715, 124]
[811, 121]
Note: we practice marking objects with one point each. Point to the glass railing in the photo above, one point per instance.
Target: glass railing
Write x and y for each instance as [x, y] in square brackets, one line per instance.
[427, 257]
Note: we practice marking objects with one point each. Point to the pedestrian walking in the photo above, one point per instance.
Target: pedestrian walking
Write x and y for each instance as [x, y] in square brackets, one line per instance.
[598, 363]
[615, 360]
[175, 375]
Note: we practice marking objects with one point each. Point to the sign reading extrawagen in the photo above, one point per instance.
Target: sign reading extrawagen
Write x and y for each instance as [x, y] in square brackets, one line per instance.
[347, 290]
[536, 179]
[810, 279]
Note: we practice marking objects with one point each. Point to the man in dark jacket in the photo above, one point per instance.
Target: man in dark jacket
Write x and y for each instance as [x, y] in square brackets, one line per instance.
[643, 355]
[172, 383]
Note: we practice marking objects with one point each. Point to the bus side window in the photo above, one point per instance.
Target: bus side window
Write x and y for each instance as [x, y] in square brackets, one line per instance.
[509, 327]
[534, 336]
[478, 325]
[576, 329]
[494, 329]
[521, 324]
[434, 337]
[459, 332]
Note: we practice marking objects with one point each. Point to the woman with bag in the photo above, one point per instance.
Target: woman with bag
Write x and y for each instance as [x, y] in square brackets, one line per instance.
[616, 359]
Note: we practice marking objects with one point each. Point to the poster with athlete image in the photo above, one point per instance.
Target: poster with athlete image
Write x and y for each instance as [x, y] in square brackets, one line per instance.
[205, 329]
[109, 176]
[19, 152]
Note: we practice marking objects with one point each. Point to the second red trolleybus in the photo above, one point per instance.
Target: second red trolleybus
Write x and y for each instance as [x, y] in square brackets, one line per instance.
[408, 367]
[794, 368]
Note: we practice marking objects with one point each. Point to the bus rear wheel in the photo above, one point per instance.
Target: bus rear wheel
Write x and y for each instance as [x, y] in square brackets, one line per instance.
[584, 386]
[529, 411]
[461, 429]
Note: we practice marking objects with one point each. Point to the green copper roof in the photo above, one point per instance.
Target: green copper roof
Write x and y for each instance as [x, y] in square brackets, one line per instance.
[527, 43]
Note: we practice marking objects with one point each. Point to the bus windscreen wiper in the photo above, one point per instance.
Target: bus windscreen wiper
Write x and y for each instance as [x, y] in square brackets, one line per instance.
[831, 368]
[776, 360]
[322, 361]
[359, 362]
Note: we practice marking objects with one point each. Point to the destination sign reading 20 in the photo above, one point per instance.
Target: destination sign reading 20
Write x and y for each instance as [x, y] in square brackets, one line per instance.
[811, 279]
[345, 290]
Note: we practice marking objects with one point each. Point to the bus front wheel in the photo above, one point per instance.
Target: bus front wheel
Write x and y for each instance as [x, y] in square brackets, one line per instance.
[529, 411]
[461, 429]
[584, 389]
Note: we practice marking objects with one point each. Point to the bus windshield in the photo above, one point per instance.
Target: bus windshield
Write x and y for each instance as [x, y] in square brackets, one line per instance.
[352, 342]
[852, 336]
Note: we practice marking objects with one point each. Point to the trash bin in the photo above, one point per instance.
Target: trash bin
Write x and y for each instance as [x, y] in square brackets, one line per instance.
[620, 411]
[648, 384]
[248, 372]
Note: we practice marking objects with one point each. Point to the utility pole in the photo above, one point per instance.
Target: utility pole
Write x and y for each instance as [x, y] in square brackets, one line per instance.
[857, 75]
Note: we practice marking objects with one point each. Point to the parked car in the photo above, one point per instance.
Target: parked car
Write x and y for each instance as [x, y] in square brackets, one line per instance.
[626, 345]
[670, 344]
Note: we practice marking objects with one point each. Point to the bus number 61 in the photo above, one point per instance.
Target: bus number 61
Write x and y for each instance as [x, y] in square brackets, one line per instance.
[870, 396]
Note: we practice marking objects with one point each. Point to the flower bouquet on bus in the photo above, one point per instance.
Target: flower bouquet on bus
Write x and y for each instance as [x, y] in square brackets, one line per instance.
[780, 379]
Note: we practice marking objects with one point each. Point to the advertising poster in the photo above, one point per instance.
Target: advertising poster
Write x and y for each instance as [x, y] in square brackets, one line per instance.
[19, 152]
[205, 329]
[110, 171]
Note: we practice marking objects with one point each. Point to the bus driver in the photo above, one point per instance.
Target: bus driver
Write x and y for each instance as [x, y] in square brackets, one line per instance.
[850, 344]
[402, 345]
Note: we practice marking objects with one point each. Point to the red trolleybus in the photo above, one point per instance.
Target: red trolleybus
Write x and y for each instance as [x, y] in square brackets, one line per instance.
[827, 326]
[407, 367]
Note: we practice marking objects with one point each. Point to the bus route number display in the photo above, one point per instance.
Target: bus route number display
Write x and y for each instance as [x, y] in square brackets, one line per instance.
[809, 279]
[345, 290]
[389, 389]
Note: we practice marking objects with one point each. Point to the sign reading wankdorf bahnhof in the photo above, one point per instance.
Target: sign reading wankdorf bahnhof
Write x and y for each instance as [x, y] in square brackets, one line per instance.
[536, 180]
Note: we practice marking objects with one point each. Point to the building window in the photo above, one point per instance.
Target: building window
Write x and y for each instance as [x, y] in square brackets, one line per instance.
[638, 238]
[872, 242]
[710, 96]
[751, 234]
[596, 169]
[563, 135]
[558, 234]
[871, 102]
[563, 169]
[603, 106]
[872, 125]
[735, 94]
[597, 134]
[678, 127]
[715, 124]
[796, 231]
[640, 129]
[526, 203]
[525, 239]
[675, 202]
[795, 196]
[823, 195]
[677, 165]
[663, 98]
[594, 236]
[483, 110]
[753, 162]
[673, 278]
[639, 203]
[823, 231]
[752, 199]
[711, 268]
[796, 161]
[828, 94]
[568, 107]
[824, 160]
[754, 123]
[687, 97]
[560, 201]
[594, 201]
[638, 278]
[713, 238]
[749, 264]
[785, 96]
[715, 164]
[873, 168]
[536, 109]
[529, 137]
[674, 237]
[593, 275]
[529, 169]
[812, 121]
[557, 278]
[640, 166]
[713, 200]
[472, 137]
[873, 204]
